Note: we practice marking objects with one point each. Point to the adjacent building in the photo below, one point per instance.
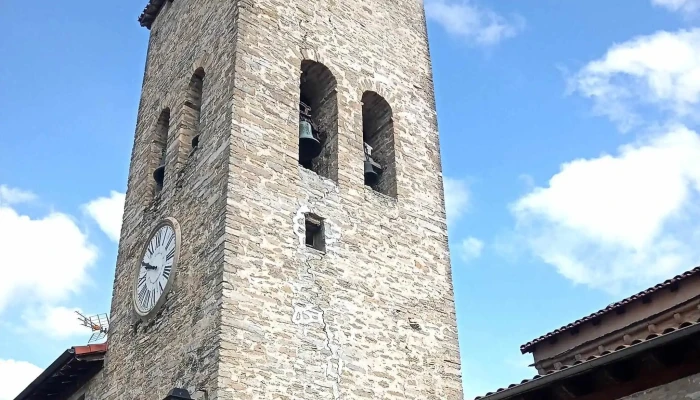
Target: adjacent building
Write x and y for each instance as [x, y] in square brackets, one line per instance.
[645, 347]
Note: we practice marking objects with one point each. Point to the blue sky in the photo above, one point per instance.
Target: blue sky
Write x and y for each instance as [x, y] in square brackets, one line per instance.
[569, 143]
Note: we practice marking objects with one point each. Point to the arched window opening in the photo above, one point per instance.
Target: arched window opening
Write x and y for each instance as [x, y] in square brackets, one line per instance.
[318, 120]
[379, 149]
[193, 110]
[160, 145]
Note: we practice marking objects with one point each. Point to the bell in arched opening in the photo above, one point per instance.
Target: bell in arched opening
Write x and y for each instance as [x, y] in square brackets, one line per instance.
[371, 176]
[372, 168]
[309, 145]
[159, 175]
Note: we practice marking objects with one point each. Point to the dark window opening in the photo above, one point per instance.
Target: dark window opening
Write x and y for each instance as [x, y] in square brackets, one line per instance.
[160, 145]
[379, 144]
[315, 236]
[193, 110]
[414, 324]
[318, 120]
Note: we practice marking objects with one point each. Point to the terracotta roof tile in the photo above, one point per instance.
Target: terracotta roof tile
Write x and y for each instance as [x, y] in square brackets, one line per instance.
[100, 348]
[606, 353]
[529, 345]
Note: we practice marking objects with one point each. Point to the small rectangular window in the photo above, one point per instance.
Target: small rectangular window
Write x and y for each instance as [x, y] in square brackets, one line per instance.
[315, 237]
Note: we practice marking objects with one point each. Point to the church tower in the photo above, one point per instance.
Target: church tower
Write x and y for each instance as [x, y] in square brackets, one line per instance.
[284, 232]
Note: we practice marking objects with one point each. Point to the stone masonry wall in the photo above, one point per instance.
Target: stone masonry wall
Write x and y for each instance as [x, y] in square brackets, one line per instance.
[373, 317]
[180, 347]
[254, 313]
[683, 389]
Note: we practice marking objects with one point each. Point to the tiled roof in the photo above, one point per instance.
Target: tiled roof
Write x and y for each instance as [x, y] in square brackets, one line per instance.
[150, 13]
[71, 370]
[605, 354]
[529, 345]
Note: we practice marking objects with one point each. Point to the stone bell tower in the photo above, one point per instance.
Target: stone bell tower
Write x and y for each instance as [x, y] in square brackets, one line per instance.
[292, 148]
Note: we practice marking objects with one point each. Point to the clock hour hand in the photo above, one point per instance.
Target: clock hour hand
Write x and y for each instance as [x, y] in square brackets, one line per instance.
[148, 266]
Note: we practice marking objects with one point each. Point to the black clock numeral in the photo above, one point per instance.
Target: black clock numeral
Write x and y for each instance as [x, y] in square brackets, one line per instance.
[170, 255]
[148, 298]
[142, 281]
[160, 285]
[166, 271]
[158, 238]
[153, 296]
[142, 294]
[171, 237]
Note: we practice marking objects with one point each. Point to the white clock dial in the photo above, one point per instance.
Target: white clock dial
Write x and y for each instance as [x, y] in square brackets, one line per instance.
[156, 268]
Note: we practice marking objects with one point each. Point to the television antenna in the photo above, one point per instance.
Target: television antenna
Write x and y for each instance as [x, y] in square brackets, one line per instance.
[99, 324]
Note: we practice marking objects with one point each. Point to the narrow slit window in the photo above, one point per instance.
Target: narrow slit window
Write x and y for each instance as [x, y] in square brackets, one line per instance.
[193, 111]
[315, 236]
[318, 120]
[160, 145]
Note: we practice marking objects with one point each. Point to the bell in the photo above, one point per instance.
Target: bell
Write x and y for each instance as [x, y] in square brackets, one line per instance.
[371, 176]
[309, 146]
[159, 174]
[178, 394]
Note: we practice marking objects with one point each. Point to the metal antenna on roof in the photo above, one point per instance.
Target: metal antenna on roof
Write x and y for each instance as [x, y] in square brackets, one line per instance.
[99, 324]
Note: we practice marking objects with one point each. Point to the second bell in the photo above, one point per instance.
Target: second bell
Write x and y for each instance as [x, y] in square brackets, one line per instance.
[309, 146]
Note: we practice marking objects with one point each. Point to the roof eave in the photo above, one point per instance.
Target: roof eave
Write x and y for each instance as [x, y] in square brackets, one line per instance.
[150, 12]
[91, 352]
[589, 365]
[529, 347]
[57, 364]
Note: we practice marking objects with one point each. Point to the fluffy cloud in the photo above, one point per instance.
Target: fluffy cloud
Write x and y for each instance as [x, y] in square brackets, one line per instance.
[660, 72]
[108, 212]
[43, 259]
[619, 221]
[10, 195]
[475, 24]
[470, 249]
[456, 198]
[16, 375]
[56, 322]
[683, 6]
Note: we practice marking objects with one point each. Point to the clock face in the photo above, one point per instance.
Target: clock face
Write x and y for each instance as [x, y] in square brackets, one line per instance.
[157, 267]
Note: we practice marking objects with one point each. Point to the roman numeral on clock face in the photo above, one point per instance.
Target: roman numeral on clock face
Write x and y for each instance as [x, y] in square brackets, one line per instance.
[142, 295]
[170, 238]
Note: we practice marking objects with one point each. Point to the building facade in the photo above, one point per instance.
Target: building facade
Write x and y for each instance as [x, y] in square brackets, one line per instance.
[284, 232]
[645, 347]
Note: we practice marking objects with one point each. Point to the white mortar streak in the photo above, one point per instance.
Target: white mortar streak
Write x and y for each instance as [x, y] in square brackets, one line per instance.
[306, 314]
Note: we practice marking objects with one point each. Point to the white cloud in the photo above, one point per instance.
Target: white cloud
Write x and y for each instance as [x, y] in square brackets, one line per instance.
[10, 195]
[683, 6]
[55, 322]
[108, 212]
[475, 24]
[661, 71]
[619, 221]
[16, 375]
[41, 259]
[456, 198]
[470, 249]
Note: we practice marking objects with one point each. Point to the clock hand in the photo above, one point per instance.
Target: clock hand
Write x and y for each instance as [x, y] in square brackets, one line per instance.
[148, 266]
